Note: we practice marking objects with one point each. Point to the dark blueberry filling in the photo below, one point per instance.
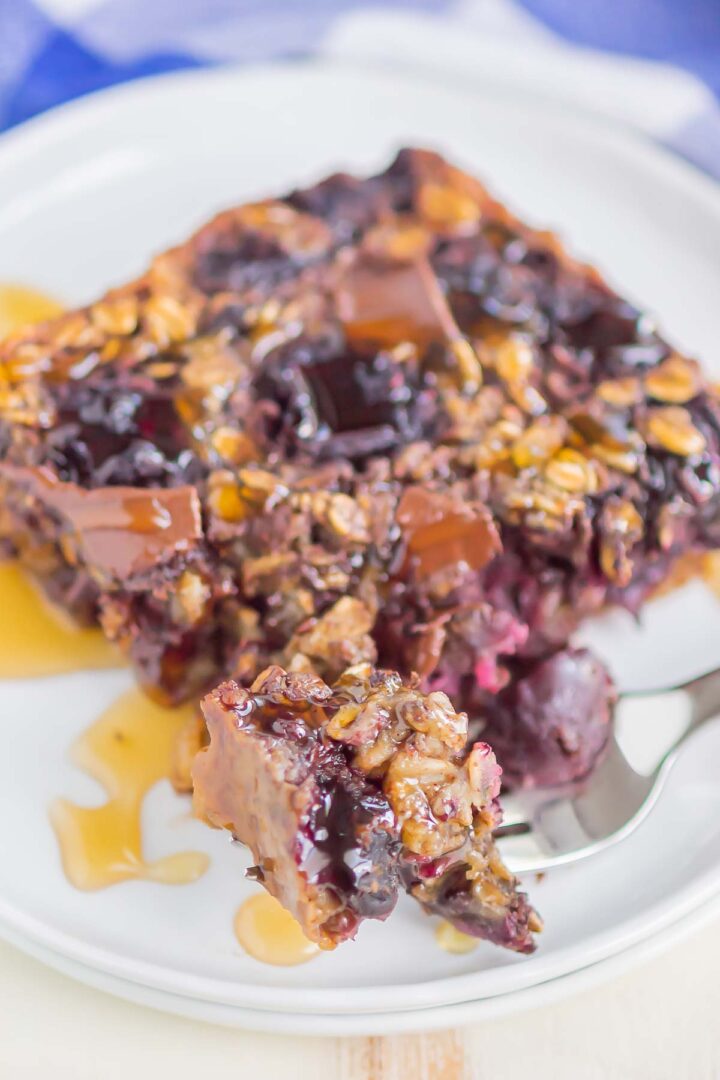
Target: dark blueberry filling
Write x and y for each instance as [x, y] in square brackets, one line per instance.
[241, 259]
[347, 204]
[587, 333]
[454, 900]
[348, 840]
[108, 433]
[347, 831]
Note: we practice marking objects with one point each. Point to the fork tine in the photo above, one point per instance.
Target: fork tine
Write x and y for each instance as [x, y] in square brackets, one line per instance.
[515, 811]
[522, 805]
[611, 798]
[565, 825]
[524, 854]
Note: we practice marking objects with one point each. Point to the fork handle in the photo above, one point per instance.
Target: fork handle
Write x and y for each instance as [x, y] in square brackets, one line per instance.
[703, 698]
[698, 701]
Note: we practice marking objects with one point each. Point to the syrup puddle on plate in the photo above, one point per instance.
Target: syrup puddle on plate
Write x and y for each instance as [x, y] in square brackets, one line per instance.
[454, 941]
[38, 639]
[22, 307]
[128, 750]
[269, 933]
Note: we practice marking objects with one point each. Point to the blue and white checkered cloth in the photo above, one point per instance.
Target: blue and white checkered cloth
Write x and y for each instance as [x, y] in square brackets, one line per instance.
[653, 64]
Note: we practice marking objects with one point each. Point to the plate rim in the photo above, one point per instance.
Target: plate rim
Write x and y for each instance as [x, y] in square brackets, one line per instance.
[38, 135]
[389, 1022]
[448, 990]
[30, 135]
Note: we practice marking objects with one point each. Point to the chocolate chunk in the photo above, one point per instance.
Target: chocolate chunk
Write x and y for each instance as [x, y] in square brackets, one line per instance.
[440, 531]
[387, 301]
[121, 532]
[344, 402]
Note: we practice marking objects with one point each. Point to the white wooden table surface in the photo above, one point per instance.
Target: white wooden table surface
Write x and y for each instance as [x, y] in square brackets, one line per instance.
[660, 1021]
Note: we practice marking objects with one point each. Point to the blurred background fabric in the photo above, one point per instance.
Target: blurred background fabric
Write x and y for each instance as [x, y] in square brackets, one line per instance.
[652, 64]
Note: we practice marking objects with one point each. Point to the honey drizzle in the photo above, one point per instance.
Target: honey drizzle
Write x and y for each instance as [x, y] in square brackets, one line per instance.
[269, 933]
[21, 307]
[128, 750]
[38, 639]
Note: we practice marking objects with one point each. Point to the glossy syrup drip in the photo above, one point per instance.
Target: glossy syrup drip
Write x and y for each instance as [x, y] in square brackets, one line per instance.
[20, 307]
[127, 750]
[269, 933]
[454, 941]
[38, 639]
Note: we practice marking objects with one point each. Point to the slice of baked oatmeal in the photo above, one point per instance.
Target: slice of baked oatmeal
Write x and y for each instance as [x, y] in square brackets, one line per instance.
[346, 793]
[378, 420]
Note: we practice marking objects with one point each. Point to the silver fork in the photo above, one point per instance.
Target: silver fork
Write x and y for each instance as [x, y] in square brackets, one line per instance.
[555, 826]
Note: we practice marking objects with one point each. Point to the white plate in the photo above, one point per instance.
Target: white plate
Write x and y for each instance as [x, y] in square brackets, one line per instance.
[86, 195]
[389, 1021]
